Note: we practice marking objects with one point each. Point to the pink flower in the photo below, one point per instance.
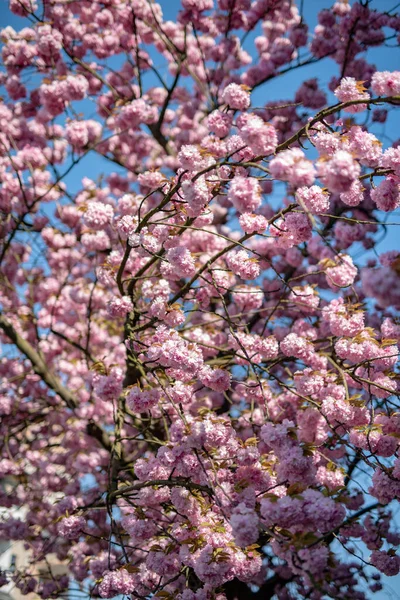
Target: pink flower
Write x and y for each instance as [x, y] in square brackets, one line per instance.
[49, 41]
[244, 193]
[342, 273]
[386, 562]
[247, 298]
[342, 319]
[387, 194]
[314, 199]
[305, 298]
[242, 265]
[384, 488]
[251, 223]
[245, 525]
[190, 158]
[115, 583]
[258, 135]
[53, 97]
[386, 83]
[119, 307]
[236, 96]
[293, 229]
[170, 350]
[349, 90]
[383, 284]
[365, 146]
[292, 166]
[220, 123]
[182, 261]
[98, 215]
[97, 240]
[23, 7]
[310, 95]
[354, 195]
[198, 5]
[216, 379]
[196, 194]
[330, 478]
[108, 387]
[339, 172]
[391, 160]
[76, 87]
[135, 113]
[141, 401]
[71, 527]
[294, 345]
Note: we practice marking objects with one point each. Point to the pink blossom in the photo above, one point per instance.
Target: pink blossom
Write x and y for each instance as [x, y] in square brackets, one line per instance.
[236, 96]
[343, 319]
[71, 527]
[292, 166]
[310, 95]
[96, 241]
[187, 343]
[135, 113]
[386, 83]
[216, 379]
[384, 488]
[119, 307]
[314, 199]
[391, 160]
[245, 525]
[247, 298]
[350, 90]
[23, 7]
[354, 195]
[49, 41]
[98, 215]
[196, 194]
[190, 158]
[220, 123]
[342, 273]
[386, 562]
[182, 261]
[242, 265]
[251, 223]
[305, 298]
[365, 146]
[258, 135]
[141, 401]
[114, 583]
[199, 5]
[387, 194]
[339, 172]
[244, 193]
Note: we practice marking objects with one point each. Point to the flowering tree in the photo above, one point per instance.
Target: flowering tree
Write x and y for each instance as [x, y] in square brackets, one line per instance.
[199, 387]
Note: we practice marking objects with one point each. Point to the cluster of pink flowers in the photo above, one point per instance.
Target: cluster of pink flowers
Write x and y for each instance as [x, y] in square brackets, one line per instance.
[245, 194]
[114, 583]
[81, 133]
[293, 166]
[71, 527]
[314, 198]
[386, 83]
[350, 90]
[261, 137]
[236, 96]
[242, 264]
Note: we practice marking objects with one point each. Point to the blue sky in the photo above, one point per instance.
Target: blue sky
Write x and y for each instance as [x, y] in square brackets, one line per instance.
[278, 89]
